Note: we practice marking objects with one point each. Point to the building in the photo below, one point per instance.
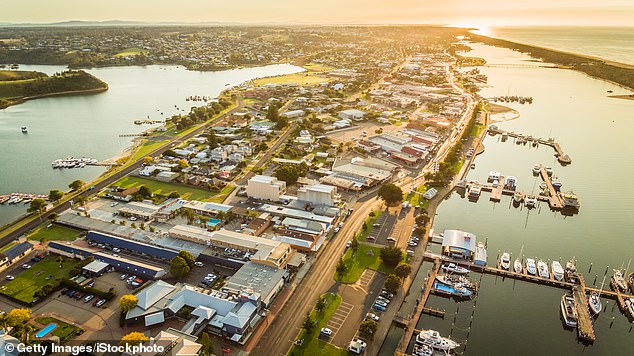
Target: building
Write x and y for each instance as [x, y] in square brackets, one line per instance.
[177, 342]
[319, 194]
[95, 268]
[430, 193]
[266, 188]
[459, 244]
[264, 280]
[14, 253]
[352, 114]
[207, 208]
[8, 344]
[293, 114]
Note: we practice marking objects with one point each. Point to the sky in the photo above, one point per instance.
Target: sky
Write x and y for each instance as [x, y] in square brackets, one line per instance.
[480, 13]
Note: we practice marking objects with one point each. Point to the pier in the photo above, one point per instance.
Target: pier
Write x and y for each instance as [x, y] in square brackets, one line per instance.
[562, 157]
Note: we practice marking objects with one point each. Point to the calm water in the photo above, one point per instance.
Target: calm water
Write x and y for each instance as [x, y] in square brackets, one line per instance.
[517, 318]
[611, 43]
[90, 125]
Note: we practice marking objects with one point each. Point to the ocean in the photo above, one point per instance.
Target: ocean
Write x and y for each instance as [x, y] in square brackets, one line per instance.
[610, 43]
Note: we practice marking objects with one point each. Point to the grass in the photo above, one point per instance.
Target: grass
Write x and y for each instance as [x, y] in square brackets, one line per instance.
[476, 130]
[146, 148]
[303, 78]
[367, 256]
[312, 345]
[363, 235]
[26, 284]
[416, 199]
[54, 233]
[163, 188]
[131, 52]
[64, 330]
[10, 75]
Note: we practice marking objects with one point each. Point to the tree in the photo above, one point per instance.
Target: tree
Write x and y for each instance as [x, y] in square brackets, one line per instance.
[403, 270]
[392, 283]
[288, 174]
[419, 231]
[390, 193]
[37, 205]
[189, 214]
[272, 114]
[134, 338]
[128, 302]
[207, 347]
[368, 327]
[76, 184]
[308, 323]
[179, 267]
[341, 267]
[212, 140]
[391, 255]
[148, 160]
[281, 123]
[354, 245]
[18, 317]
[145, 191]
[187, 257]
[81, 200]
[182, 164]
[55, 195]
[321, 304]
[174, 195]
[60, 259]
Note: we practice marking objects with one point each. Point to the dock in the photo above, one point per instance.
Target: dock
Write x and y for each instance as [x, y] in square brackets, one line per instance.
[562, 157]
[585, 329]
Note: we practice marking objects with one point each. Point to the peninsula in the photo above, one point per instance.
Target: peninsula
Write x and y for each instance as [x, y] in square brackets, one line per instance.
[19, 86]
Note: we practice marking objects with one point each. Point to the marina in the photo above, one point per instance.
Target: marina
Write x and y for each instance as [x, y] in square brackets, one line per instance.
[72, 162]
[15, 198]
[562, 157]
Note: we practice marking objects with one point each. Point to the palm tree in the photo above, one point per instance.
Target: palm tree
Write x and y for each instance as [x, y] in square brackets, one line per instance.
[82, 200]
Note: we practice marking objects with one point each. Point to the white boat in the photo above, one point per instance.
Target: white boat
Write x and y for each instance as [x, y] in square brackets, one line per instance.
[505, 261]
[594, 302]
[454, 268]
[494, 175]
[571, 266]
[517, 265]
[422, 350]
[530, 201]
[433, 339]
[517, 198]
[536, 168]
[629, 304]
[549, 171]
[568, 311]
[24, 129]
[510, 183]
[558, 271]
[530, 266]
[542, 269]
[618, 281]
[474, 192]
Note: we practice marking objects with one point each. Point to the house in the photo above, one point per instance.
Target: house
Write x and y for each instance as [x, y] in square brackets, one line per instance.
[293, 114]
[318, 194]
[265, 187]
[125, 195]
[352, 114]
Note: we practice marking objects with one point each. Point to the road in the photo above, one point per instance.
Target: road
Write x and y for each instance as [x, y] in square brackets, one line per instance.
[107, 181]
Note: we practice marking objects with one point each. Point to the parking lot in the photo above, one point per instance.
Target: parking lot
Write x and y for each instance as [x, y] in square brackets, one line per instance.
[382, 228]
[339, 317]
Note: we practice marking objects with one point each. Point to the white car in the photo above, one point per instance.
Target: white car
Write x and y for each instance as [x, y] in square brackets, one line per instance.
[326, 331]
[372, 316]
[348, 244]
[198, 264]
[116, 250]
[9, 277]
[132, 218]
[26, 266]
[336, 230]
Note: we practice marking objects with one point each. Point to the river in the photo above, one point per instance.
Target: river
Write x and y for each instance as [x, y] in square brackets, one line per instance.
[90, 125]
[517, 318]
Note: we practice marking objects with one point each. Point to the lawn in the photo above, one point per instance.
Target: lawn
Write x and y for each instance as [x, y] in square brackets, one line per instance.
[312, 345]
[362, 236]
[367, 256]
[24, 286]
[163, 188]
[131, 52]
[146, 148]
[54, 233]
[64, 330]
[416, 199]
[303, 78]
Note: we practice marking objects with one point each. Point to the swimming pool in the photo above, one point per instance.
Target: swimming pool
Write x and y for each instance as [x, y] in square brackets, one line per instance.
[47, 329]
[213, 222]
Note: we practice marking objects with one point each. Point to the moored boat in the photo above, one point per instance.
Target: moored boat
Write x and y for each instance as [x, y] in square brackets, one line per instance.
[433, 339]
[542, 269]
[510, 183]
[558, 271]
[24, 129]
[617, 281]
[517, 199]
[594, 303]
[568, 312]
[505, 261]
[629, 306]
[530, 266]
[517, 265]
[530, 201]
[494, 175]
[454, 268]
[536, 168]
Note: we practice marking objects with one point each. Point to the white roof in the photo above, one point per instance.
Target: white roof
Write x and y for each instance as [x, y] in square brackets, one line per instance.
[155, 318]
[95, 266]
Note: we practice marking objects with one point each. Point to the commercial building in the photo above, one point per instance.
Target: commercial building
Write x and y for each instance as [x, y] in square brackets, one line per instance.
[459, 244]
[207, 208]
[95, 268]
[318, 194]
[265, 187]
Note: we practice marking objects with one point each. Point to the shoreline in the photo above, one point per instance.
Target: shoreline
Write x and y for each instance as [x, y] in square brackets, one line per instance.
[12, 102]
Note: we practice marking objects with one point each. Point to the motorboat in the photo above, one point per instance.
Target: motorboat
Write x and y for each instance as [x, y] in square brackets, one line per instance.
[542, 269]
[24, 129]
[433, 339]
[510, 183]
[618, 281]
[549, 171]
[594, 302]
[571, 202]
[558, 271]
[570, 273]
[494, 175]
[454, 268]
[517, 199]
[474, 192]
[505, 261]
[422, 350]
[557, 184]
[530, 266]
[517, 265]
[457, 290]
[571, 266]
[568, 311]
[629, 306]
[536, 168]
[530, 201]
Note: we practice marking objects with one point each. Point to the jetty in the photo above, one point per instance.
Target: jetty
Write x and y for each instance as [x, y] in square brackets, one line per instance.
[15, 198]
[562, 157]
[72, 162]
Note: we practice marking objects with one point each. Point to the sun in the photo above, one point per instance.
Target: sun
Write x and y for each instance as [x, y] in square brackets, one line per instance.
[480, 29]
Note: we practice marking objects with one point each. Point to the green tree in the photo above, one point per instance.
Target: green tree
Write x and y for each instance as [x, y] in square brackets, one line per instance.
[321, 304]
[174, 195]
[81, 200]
[128, 302]
[272, 114]
[76, 184]
[390, 193]
[187, 257]
[37, 206]
[179, 267]
[148, 160]
[281, 123]
[368, 327]
[341, 267]
[288, 174]
[308, 323]
[403, 270]
[212, 140]
[392, 283]
[189, 214]
[145, 191]
[207, 347]
[391, 255]
[354, 245]
[55, 195]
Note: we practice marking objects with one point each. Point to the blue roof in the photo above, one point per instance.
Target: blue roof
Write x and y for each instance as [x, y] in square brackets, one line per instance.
[18, 249]
[131, 245]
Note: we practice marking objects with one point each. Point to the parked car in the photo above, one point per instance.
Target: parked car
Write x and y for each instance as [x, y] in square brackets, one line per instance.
[348, 244]
[116, 250]
[372, 316]
[78, 295]
[198, 264]
[100, 303]
[90, 284]
[336, 230]
[326, 331]
[381, 303]
[386, 294]
[88, 298]
[26, 266]
[123, 276]
[382, 299]
[378, 307]
[133, 218]
[9, 277]
[70, 293]
[35, 259]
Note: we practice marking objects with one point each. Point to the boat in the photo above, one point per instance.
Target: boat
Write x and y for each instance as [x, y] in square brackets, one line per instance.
[517, 265]
[549, 171]
[433, 339]
[568, 311]
[557, 184]
[536, 168]
[558, 271]
[510, 183]
[530, 266]
[24, 129]
[505, 261]
[530, 201]
[457, 290]
[454, 268]
[571, 202]
[422, 350]
[493, 175]
[570, 273]
[594, 302]
[505, 137]
[618, 281]
[542, 269]
[629, 306]
[473, 165]
[517, 199]
[474, 192]
[630, 281]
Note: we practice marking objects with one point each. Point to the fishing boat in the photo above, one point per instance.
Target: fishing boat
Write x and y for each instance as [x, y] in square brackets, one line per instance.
[530, 201]
[536, 168]
[618, 281]
[433, 339]
[530, 266]
[510, 183]
[456, 290]
[505, 261]
[594, 303]
[542, 269]
[558, 271]
[454, 268]
[568, 311]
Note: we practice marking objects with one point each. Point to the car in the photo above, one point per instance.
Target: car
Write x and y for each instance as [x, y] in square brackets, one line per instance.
[341, 224]
[90, 284]
[348, 244]
[325, 331]
[9, 277]
[384, 300]
[123, 276]
[134, 284]
[101, 245]
[381, 303]
[133, 218]
[78, 295]
[376, 225]
[206, 281]
[131, 278]
[116, 250]
[114, 204]
[70, 293]
[386, 294]
[372, 316]
[63, 291]
[371, 238]
[378, 307]
[100, 303]
[26, 266]
[35, 259]
[88, 298]
[198, 264]
[337, 230]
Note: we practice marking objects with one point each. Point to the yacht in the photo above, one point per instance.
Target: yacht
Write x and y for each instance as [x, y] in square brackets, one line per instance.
[618, 281]
[629, 305]
[474, 192]
[505, 261]
[530, 266]
[510, 183]
[558, 271]
[517, 265]
[432, 338]
[542, 269]
[422, 350]
[493, 175]
[24, 129]
[454, 268]
[571, 202]
[568, 311]
[570, 273]
[594, 302]
[530, 201]
[517, 199]
[536, 168]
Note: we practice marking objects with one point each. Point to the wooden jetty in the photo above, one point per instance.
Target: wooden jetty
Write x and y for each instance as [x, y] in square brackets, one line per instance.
[434, 312]
[555, 201]
[562, 157]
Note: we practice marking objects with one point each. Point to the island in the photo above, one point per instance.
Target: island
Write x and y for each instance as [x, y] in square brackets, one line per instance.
[19, 86]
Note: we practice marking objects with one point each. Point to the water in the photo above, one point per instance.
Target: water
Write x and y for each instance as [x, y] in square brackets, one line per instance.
[50, 327]
[611, 43]
[90, 125]
[519, 318]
